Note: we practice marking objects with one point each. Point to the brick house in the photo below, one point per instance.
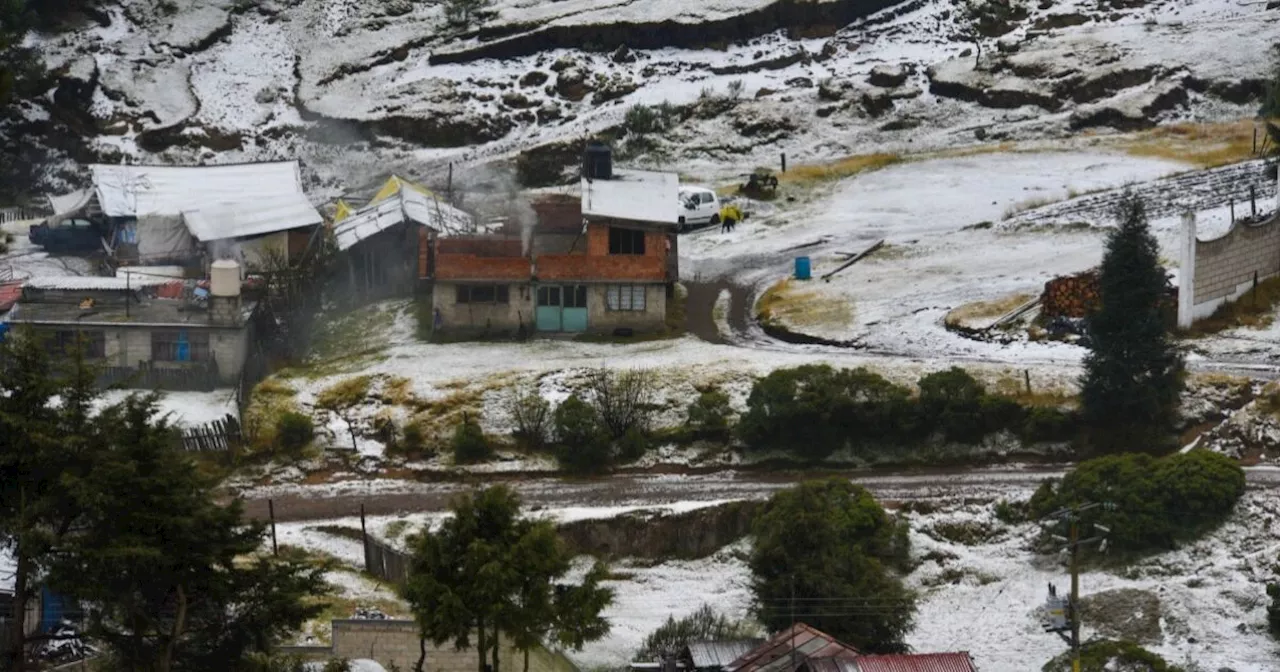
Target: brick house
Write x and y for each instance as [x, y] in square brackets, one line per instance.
[607, 265]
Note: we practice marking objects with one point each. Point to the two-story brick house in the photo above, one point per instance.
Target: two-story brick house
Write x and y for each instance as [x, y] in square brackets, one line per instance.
[609, 268]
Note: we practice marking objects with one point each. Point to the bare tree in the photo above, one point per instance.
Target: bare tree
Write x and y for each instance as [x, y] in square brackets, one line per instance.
[530, 414]
[987, 18]
[624, 401]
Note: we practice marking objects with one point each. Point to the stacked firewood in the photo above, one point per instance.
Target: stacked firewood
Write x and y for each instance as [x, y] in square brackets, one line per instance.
[1071, 296]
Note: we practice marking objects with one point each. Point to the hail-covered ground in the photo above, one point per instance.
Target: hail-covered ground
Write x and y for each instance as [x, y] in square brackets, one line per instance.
[981, 586]
[358, 88]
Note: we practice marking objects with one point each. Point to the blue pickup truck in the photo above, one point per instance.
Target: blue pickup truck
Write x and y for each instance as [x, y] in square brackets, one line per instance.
[67, 236]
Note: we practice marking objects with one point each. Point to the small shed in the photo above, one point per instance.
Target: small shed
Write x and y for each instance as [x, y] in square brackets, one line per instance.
[788, 651]
[716, 655]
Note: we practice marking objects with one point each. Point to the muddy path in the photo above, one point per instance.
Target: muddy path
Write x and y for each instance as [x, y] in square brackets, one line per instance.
[382, 497]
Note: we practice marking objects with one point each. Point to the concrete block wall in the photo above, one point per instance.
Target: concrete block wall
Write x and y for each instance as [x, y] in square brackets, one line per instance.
[601, 319]
[395, 642]
[1225, 263]
[476, 317]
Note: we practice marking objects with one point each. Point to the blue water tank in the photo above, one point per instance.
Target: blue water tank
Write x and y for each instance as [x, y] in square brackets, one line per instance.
[802, 268]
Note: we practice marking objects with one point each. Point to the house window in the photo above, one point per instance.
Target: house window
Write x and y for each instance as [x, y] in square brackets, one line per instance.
[575, 296]
[182, 345]
[65, 342]
[625, 297]
[626, 241]
[482, 294]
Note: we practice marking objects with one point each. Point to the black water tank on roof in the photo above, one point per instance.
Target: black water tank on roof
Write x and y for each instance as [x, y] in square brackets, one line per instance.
[597, 161]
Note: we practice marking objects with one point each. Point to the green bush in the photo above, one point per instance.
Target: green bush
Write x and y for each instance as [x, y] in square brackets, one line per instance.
[1107, 656]
[469, 443]
[412, 439]
[1048, 424]
[1155, 502]
[633, 445]
[294, 431]
[1273, 610]
[955, 401]
[581, 443]
[709, 415]
[702, 625]
[1011, 513]
[643, 119]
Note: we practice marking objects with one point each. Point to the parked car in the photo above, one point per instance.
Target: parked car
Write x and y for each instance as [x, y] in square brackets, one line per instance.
[69, 235]
[701, 208]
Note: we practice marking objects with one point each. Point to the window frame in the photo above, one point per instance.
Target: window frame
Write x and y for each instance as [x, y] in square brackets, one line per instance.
[62, 341]
[622, 298]
[164, 345]
[492, 294]
[626, 241]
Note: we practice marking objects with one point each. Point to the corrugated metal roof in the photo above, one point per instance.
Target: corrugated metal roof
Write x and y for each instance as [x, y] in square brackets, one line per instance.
[245, 219]
[406, 205]
[720, 653]
[125, 191]
[93, 282]
[636, 195]
[801, 640]
[920, 662]
[831, 665]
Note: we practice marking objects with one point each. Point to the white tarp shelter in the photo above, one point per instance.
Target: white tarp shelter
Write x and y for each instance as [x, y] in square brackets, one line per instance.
[406, 204]
[176, 206]
[633, 195]
[68, 204]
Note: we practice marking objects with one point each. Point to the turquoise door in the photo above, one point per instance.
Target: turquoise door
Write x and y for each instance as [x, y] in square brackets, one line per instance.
[547, 313]
[562, 308]
[574, 315]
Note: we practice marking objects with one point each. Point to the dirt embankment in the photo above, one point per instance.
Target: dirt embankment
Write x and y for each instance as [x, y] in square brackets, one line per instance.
[691, 535]
[805, 17]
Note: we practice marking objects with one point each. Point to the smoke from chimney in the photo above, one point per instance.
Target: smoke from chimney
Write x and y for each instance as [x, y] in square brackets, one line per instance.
[498, 190]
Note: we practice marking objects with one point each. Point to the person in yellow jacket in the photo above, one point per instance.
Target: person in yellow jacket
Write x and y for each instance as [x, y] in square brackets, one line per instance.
[730, 215]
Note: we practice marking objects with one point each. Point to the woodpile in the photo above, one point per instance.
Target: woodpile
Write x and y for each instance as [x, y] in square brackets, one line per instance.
[1071, 296]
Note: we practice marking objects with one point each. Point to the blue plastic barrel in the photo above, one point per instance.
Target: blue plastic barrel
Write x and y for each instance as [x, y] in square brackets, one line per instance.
[802, 268]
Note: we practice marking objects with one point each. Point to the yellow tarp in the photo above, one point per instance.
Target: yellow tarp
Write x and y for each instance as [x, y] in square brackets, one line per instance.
[342, 212]
[393, 186]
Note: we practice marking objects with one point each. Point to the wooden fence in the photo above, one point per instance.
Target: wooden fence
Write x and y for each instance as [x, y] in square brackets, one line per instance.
[386, 563]
[217, 436]
[17, 214]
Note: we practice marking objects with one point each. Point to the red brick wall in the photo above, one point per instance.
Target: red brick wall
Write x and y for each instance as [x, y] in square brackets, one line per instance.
[482, 247]
[472, 267]
[655, 244]
[616, 267]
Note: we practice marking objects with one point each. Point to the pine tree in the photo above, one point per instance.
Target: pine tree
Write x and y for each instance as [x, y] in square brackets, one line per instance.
[487, 571]
[1133, 373]
[43, 443]
[170, 576]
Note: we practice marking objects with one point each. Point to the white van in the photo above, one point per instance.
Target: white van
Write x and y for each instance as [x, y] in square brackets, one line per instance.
[699, 206]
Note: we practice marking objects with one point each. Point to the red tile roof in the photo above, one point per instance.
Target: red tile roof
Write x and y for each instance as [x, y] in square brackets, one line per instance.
[10, 292]
[920, 662]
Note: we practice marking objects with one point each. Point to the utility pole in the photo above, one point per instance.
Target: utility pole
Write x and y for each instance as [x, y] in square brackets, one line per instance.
[1065, 614]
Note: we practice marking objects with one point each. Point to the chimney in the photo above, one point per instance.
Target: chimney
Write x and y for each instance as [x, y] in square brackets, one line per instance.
[224, 293]
[597, 161]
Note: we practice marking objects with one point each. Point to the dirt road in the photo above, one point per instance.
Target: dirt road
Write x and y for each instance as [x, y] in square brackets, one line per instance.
[383, 497]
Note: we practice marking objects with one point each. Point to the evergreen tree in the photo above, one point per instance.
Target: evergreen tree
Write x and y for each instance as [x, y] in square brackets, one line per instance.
[823, 553]
[167, 574]
[487, 572]
[43, 443]
[1133, 373]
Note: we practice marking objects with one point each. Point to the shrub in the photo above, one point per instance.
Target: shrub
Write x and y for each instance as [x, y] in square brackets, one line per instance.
[703, 625]
[1157, 501]
[1106, 656]
[709, 415]
[412, 439]
[531, 416]
[1273, 610]
[294, 431]
[633, 445]
[1047, 424]
[954, 399]
[1011, 513]
[735, 89]
[469, 442]
[581, 443]
[622, 401]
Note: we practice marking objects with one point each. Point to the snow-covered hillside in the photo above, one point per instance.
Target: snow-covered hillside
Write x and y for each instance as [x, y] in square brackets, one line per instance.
[360, 88]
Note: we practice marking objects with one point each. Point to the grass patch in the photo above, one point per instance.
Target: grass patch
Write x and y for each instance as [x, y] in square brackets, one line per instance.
[954, 575]
[396, 528]
[838, 169]
[310, 557]
[1015, 387]
[360, 331]
[398, 390]
[345, 393]
[338, 531]
[985, 309]
[1205, 145]
[269, 400]
[787, 303]
[339, 607]
[967, 533]
[1252, 309]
